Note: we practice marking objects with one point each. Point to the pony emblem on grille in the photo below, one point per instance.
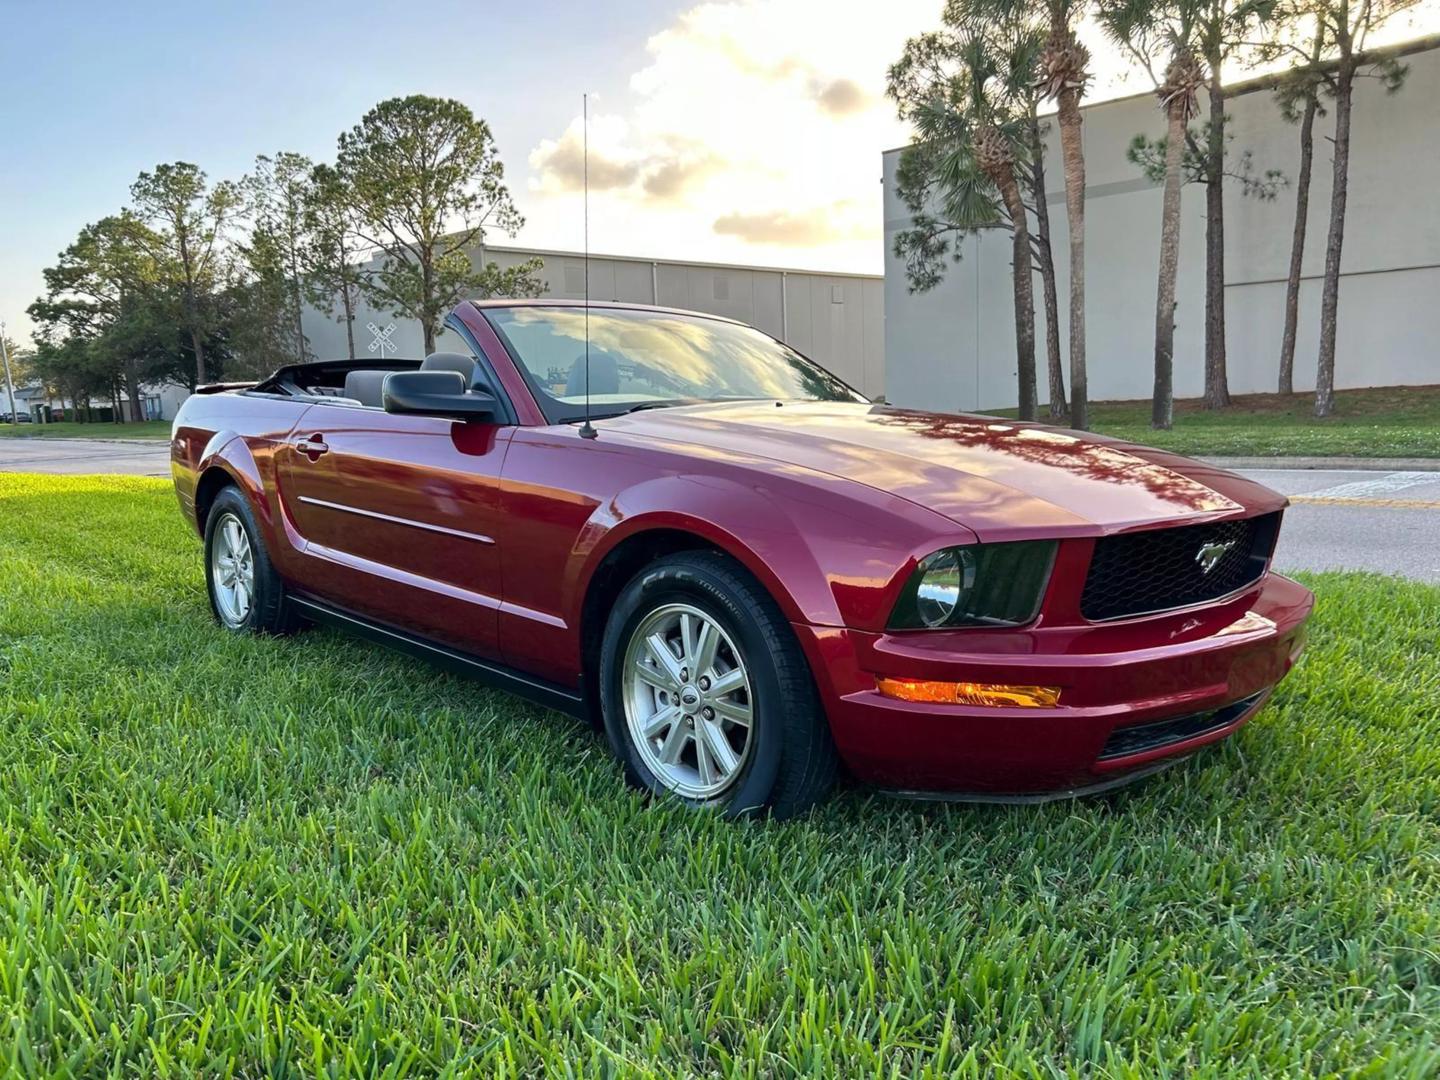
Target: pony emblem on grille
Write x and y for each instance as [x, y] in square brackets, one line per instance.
[1209, 555]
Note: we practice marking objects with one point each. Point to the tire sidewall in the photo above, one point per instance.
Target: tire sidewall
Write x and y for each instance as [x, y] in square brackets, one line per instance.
[679, 582]
[231, 503]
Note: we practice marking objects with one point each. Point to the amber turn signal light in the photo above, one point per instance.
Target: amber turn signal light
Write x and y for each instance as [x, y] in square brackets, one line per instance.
[969, 693]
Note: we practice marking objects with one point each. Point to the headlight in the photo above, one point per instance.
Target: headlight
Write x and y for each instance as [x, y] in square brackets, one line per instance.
[944, 578]
[979, 585]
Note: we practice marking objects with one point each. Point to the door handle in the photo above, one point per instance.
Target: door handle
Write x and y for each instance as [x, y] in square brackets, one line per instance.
[312, 446]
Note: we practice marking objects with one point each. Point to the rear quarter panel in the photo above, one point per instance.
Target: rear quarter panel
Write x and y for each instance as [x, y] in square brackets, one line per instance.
[239, 434]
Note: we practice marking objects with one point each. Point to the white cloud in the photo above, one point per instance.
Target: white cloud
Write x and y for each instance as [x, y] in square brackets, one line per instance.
[809, 228]
[754, 129]
[665, 169]
[842, 97]
[561, 164]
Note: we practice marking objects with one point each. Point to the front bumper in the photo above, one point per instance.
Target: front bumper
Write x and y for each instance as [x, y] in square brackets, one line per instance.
[1206, 670]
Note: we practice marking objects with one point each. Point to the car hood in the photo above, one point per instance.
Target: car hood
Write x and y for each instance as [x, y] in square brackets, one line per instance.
[999, 478]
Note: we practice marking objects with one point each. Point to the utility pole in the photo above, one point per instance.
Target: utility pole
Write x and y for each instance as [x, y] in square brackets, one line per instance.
[9, 382]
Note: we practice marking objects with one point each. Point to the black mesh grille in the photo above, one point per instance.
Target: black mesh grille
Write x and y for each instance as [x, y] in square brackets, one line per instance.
[1137, 573]
[1138, 738]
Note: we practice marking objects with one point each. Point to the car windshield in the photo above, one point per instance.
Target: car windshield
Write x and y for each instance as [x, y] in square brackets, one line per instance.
[649, 359]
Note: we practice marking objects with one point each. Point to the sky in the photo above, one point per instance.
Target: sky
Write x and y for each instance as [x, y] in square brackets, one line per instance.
[744, 131]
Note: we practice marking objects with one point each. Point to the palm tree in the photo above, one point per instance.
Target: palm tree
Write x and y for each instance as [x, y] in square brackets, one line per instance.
[1298, 95]
[1145, 28]
[1064, 72]
[1045, 258]
[1348, 25]
[1021, 36]
[1329, 56]
[1177, 94]
[1221, 28]
[995, 155]
[971, 140]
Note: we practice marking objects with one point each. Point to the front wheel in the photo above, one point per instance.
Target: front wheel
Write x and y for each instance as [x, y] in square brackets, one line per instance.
[246, 593]
[706, 694]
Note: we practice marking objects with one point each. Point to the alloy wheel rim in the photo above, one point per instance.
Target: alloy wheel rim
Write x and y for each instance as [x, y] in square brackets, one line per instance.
[232, 571]
[688, 703]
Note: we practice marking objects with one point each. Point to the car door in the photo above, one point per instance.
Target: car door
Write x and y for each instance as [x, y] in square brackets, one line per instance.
[398, 518]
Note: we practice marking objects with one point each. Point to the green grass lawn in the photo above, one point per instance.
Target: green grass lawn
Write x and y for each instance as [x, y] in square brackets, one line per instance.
[1401, 421]
[224, 856]
[69, 429]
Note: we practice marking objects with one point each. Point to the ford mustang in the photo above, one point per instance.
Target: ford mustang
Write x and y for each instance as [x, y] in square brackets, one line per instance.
[741, 570]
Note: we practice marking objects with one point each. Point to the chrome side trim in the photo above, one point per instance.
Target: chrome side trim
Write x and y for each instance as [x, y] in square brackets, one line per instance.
[479, 538]
[395, 575]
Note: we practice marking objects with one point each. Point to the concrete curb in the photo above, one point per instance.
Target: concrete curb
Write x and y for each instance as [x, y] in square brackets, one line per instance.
[1376, 464]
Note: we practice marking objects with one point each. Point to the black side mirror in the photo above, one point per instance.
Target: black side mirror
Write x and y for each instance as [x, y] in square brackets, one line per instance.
[436, 393]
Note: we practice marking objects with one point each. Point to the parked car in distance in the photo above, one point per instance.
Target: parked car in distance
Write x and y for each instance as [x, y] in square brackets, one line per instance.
[739, 568]
[17, 418]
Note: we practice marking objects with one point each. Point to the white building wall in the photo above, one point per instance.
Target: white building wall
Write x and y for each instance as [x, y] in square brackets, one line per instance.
[835, 319]
[955, 346]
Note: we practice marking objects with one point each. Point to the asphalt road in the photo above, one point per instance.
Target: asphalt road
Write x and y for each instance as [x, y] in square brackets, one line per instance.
[1342, 519]
[135, 457]
[1353, 520]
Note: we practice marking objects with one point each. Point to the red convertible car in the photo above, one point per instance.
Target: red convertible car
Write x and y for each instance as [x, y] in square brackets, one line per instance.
[742, 570]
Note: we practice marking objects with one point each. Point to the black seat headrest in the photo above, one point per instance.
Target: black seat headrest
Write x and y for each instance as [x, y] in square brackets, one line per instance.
[365, 386]
[450, 361]
[604, 374]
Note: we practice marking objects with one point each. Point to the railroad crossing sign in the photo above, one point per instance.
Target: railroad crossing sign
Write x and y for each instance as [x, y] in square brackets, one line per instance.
[382, 343]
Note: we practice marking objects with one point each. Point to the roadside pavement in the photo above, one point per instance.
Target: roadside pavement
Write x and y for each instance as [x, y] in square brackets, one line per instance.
[134, 457]
[1388, 521]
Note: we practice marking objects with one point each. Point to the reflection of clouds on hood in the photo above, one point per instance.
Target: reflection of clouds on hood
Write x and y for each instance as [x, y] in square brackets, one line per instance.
[752, 122]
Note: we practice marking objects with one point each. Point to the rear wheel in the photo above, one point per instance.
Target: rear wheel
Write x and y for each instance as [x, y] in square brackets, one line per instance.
[706, 694]
[246, 594]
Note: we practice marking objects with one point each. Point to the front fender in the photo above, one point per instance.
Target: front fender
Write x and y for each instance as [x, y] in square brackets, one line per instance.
[826, 561]
[743, 522]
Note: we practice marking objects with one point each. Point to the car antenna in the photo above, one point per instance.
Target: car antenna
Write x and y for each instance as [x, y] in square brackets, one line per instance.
[587, 429]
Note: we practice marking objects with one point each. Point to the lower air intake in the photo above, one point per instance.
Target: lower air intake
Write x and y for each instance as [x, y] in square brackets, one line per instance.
[1139, 738]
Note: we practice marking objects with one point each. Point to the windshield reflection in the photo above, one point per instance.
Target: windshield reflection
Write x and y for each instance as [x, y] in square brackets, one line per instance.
[650, 358]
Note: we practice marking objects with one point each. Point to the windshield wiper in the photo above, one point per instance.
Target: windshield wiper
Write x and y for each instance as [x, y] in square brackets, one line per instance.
[663, 403]
[670, 403]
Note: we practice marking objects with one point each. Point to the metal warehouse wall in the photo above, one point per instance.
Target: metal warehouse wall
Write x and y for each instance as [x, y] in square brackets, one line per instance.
[954, 347]
[835, 319]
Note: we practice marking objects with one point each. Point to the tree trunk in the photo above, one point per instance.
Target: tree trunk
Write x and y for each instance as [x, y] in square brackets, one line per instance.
[192, 308]
[426, 308]
[1297, 248]
[347, 299]
[349, 304]
[199, 347]
[1217, 382]
[132, 391]
[299, 319]
[1024, 291]
[1330, 295]
[1046, 257]
[1162, 403]
[1073, 152]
